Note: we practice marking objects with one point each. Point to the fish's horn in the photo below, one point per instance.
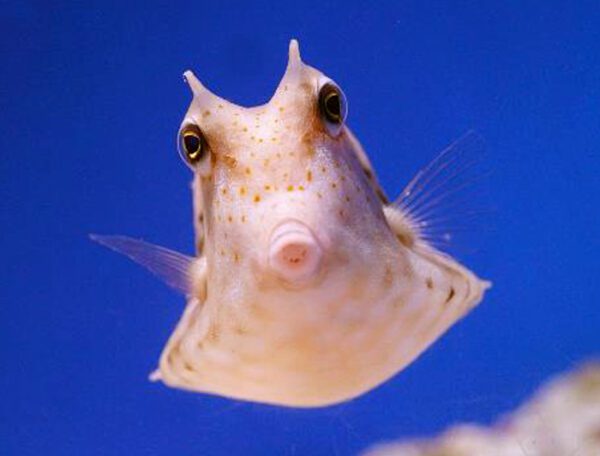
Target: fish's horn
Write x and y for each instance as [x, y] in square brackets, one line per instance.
[294, 54]
[194, 82]
[202, 95]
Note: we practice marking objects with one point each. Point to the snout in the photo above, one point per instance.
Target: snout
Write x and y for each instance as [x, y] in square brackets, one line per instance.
[295, 253]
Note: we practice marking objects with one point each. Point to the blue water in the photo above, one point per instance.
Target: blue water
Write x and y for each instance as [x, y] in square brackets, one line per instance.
[91, 98]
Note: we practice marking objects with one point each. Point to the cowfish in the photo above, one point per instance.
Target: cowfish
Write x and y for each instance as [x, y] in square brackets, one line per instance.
[308, 286]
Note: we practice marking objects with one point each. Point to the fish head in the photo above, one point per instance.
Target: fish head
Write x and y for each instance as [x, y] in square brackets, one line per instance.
[285, 200]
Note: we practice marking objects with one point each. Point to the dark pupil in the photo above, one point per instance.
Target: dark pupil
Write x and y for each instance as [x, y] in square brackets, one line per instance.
[192, 144]
[332, 104]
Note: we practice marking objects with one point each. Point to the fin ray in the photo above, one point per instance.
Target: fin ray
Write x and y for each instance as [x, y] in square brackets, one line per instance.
[444, 198]
[171, 267]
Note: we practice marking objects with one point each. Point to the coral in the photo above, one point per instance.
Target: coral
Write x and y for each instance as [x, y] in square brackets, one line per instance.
[562, 418]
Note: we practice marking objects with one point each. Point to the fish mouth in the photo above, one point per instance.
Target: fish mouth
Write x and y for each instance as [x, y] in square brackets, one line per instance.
[295, 254]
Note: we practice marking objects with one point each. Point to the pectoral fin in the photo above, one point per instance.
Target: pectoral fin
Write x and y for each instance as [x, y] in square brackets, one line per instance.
[173, 268]
[442, 199]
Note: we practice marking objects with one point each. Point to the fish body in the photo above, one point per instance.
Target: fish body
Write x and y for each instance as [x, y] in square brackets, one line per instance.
[308, 288]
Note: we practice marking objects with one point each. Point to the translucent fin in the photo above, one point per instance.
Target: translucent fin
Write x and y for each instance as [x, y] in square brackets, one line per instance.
[173, 268]
[446, 199]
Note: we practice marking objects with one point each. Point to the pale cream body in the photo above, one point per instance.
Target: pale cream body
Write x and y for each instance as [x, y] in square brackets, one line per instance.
[380, 299]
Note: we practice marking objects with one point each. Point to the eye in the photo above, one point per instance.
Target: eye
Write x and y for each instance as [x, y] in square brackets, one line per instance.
[332, 105]
[193, 145]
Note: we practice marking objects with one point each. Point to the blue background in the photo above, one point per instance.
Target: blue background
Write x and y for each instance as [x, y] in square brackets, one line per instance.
[91, 98]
